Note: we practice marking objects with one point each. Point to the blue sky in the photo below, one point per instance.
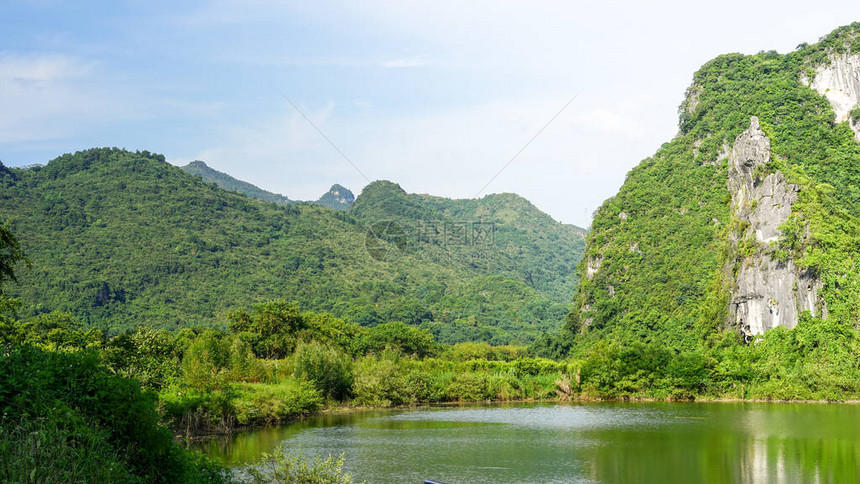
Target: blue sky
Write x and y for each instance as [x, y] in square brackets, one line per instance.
[437, 96]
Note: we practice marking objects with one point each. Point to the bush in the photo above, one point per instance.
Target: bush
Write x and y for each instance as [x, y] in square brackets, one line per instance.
[289, 468]
[75, 387]
[327, 368]
[468, 387]
[40, 450]
[380, 381]
[268, 403]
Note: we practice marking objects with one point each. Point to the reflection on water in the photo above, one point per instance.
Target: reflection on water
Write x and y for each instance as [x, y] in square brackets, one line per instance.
[609, 442]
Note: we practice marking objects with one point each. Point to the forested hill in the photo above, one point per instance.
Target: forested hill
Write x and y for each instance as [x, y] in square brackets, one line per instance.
[122, 239]
[337, 198]
[747, 220]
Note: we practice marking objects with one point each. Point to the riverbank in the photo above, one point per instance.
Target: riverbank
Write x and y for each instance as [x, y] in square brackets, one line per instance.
[346, 409]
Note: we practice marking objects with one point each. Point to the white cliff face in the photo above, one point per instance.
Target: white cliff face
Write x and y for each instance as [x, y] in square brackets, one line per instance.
[767, 293]
[592, 266]
[839, 82]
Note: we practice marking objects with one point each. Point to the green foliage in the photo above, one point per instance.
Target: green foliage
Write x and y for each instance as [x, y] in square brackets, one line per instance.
[40, 450]
[212, 362]
[854, 114]
[267, 403]
[271, 329]
[284, 467]
[484, 351]
[121, 239]
[151, 356]
[10, 255]
[81, 397]
[398, 337]
[327, 368]
[381, 382]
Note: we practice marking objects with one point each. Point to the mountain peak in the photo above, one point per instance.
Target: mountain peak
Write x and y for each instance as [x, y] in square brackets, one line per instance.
[337, 197]
[227, 182]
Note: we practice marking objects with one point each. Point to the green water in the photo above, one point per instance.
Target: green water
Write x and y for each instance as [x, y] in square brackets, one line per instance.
[548, 443]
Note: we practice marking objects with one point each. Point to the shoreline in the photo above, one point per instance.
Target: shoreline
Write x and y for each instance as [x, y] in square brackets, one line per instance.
[214, 433]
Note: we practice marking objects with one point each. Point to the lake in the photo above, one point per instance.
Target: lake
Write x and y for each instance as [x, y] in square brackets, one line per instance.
[595, 442]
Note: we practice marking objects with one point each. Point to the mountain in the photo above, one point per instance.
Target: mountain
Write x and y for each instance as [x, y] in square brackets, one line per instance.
[336, 198]
[227, 182]
[124, 238]
[748, 220]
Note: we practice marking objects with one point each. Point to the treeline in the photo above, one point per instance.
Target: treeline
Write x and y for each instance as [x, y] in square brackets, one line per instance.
[275, 363]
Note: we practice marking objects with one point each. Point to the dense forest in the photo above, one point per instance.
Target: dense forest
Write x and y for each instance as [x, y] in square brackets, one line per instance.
[121, 239]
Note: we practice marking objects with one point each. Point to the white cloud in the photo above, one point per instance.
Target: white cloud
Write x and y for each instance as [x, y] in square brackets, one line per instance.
[37, 92]
[41, 68]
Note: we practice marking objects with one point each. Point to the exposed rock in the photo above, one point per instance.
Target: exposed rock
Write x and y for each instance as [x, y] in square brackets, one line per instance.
[772, 293]
[691, 100]
[767, 292]
[586, 319]
[839, 82]
[592, 266]
[623, 215]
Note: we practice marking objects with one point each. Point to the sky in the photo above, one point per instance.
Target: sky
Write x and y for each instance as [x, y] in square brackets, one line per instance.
[555, 101]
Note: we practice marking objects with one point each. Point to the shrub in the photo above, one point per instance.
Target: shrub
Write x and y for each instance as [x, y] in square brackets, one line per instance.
[74, 387]
[267, 403]
[327, 368]
[40, 450]
[381, 382]
[289, 468]
[468, 387]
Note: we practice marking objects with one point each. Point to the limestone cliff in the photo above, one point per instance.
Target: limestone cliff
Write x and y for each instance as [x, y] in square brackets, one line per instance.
[839, 82]
[767, 292]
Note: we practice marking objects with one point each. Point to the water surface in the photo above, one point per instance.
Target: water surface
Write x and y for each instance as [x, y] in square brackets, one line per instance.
[605, 442]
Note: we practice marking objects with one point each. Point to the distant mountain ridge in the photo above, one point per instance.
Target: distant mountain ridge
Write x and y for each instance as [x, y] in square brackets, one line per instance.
[337, 198]
[227, 182]
[122, 239]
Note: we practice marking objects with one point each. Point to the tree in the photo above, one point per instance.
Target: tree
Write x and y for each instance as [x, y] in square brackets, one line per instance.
[10, 255]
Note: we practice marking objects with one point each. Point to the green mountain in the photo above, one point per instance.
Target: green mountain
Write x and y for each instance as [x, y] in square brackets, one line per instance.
[337, 198]
[122, 239]
[227, 182]
[748, 220]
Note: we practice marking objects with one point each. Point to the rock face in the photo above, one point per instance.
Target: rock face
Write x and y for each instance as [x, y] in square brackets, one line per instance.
[592, 266]
[839, 82]
[767, 292]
